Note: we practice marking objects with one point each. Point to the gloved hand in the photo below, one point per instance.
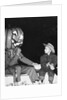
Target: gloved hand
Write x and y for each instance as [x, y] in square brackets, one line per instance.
[37, 66]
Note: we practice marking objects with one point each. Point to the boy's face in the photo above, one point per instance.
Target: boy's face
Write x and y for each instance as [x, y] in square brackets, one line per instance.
[47, 50]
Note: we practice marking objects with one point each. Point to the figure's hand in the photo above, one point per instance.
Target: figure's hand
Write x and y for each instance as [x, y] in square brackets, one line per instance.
[37, 66]
[52, 67]
[48, 64]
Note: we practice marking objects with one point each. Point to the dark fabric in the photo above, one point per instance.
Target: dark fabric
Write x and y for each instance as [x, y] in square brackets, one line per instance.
[52, 58]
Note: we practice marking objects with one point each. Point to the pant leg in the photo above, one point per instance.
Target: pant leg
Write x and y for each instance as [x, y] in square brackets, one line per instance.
[18, 72]
[42, 73]
[12, 70]
[50, 76]
[31, 72]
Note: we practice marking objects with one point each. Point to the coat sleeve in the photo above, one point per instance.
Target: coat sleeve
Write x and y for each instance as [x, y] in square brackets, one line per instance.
[53, 59]
[25, 60]
[43, 61]
[14, 61]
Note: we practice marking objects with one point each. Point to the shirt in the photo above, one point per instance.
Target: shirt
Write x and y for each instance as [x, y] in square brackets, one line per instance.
[44, 59]
[52, 59]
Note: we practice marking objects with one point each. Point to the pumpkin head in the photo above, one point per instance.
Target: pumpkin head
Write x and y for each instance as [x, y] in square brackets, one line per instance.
[14, 37]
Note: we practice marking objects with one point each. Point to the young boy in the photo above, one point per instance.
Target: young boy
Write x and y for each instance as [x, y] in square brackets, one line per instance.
[48, 62]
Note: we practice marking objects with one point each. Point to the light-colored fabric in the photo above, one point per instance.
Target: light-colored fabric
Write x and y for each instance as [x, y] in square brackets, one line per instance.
[31, 72]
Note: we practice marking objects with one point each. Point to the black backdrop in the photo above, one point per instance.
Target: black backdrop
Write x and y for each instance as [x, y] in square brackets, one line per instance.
[37, 30]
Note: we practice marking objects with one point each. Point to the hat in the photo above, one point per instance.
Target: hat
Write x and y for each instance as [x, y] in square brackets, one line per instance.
[50, 46]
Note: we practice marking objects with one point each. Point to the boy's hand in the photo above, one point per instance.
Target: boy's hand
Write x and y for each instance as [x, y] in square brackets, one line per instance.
[52, 67]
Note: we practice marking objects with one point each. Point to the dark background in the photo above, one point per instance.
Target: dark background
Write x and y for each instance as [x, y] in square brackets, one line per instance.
[37, 30]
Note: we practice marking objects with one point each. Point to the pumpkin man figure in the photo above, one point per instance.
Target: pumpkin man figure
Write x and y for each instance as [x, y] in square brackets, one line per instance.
[13, 40]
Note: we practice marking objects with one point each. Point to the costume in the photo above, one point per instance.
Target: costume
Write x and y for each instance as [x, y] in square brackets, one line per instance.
[13, 41]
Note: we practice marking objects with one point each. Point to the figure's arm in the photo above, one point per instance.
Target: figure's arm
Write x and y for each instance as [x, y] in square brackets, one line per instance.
[43, 61]
[53, 62]
[52, 67]
[22, 58]
[25, 60]
[29, 62]
[14, 60]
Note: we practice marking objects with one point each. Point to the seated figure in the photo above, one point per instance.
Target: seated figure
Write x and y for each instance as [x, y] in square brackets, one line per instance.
[48, 63]
[14, 39]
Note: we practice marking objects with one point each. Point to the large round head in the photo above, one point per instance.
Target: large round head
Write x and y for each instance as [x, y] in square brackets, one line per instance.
[17, 37]
[14, 37]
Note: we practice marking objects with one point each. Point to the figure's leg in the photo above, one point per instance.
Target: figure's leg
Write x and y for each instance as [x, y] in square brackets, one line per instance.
[14, 78]
[12, 71]
[18, 73]
[42, 75]
[50, 76]
[31, 72]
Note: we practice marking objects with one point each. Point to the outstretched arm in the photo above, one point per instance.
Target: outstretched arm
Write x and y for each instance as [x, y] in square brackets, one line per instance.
[29, 62]
[25, 60]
